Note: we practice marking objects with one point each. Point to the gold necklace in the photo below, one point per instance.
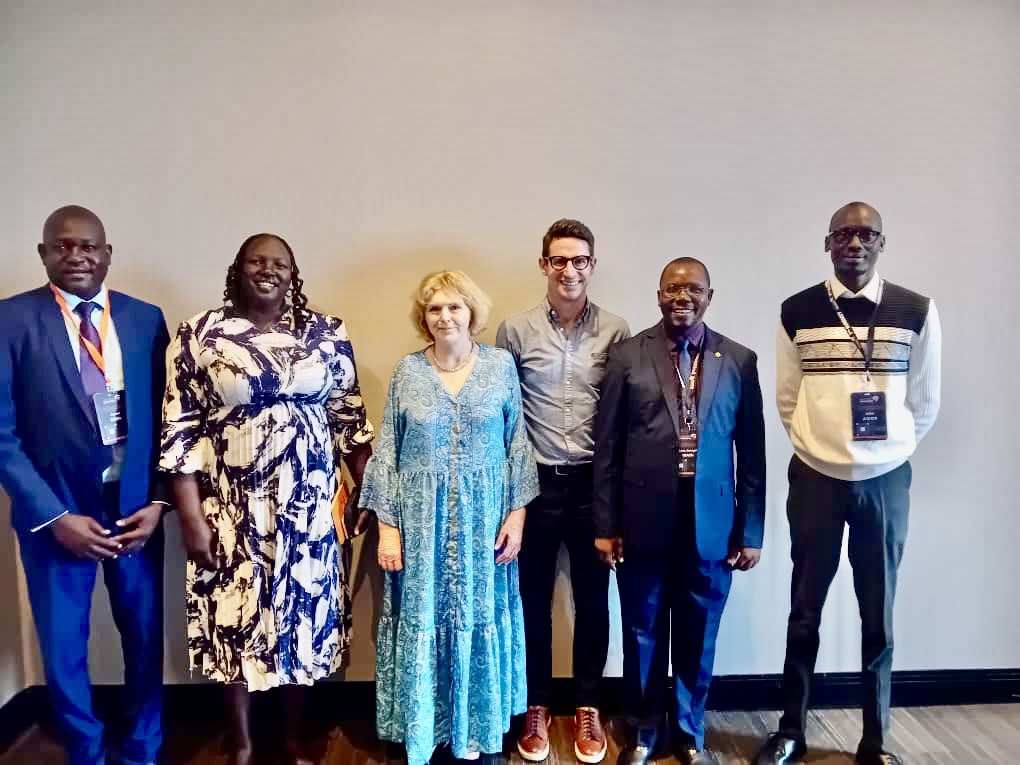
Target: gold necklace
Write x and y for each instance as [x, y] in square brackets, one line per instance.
[464, 363]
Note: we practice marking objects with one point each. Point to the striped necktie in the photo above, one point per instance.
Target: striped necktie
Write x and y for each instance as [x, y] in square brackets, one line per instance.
[92, 378]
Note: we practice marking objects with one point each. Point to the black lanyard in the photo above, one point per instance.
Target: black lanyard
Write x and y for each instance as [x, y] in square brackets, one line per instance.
[869, 351]
[688, 389]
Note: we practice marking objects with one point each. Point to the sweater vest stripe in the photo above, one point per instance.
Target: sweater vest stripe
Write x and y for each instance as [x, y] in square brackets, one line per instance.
[824, 346]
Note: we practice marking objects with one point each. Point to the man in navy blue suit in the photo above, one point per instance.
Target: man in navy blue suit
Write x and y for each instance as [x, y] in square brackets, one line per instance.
[81, 382]
[678, 400]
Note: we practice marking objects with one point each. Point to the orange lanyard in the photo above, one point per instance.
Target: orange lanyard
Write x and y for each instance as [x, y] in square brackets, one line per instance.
[104, 326]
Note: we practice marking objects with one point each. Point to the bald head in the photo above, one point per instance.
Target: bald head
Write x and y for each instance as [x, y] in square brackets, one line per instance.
[74, 251]
[56, 220]
[856, 214]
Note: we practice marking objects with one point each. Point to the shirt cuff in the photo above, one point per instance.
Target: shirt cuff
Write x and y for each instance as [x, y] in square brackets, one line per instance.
[51, 521]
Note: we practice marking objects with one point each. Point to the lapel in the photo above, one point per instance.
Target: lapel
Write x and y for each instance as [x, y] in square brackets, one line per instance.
[654, 346]
[711, 367]
[130, 343]
[56, 332]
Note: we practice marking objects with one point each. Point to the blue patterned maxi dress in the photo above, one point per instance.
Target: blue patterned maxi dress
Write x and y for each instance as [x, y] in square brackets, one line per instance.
[446, 471]
[262, 417]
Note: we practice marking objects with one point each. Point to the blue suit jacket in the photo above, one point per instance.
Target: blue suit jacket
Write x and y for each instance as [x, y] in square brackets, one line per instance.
[51, 456]
[637, 433]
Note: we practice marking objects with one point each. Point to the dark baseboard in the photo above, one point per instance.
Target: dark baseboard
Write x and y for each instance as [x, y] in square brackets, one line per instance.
[355, 700]
[836, 690]
[21, 713]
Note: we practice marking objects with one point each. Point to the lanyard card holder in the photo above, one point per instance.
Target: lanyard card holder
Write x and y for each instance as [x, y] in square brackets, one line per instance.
[867, 409]
[867, 413]
[688, 457]
[111, 414]
[688, 453]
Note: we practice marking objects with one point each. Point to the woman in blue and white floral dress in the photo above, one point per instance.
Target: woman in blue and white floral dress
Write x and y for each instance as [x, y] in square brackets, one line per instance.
[262, 401]
[451, 475]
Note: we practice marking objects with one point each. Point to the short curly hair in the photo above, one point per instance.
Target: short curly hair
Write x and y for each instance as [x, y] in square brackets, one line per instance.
[456, 281]
[568, 228]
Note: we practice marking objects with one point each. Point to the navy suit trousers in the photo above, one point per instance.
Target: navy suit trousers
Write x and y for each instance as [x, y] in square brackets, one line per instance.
[670, 603]
[60, 591]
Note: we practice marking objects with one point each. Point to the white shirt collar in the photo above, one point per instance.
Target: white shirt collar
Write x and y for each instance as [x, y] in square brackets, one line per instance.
[73, 300]
[871, 291]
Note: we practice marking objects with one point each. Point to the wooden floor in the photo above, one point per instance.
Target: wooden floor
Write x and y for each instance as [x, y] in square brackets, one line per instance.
[921, 735]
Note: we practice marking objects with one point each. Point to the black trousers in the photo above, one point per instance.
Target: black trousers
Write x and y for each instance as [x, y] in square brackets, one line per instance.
[876, 511]
[562, 515]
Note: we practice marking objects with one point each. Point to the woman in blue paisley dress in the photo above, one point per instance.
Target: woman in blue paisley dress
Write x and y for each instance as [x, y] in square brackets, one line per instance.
[449, 480]
[262, 401]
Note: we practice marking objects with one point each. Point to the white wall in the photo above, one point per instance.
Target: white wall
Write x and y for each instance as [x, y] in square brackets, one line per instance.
[385, 140]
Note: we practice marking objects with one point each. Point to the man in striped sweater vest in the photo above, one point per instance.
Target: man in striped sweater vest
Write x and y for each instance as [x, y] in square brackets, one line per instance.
[858, 375]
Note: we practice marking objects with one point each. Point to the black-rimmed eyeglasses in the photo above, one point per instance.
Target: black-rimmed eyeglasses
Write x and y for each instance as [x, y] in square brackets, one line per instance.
[559, 263]
[846, 235]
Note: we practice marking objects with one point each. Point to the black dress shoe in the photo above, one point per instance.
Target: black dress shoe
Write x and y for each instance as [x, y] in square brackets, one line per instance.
[694, 756]
[877, 758]
[780, 750]
[635, 755]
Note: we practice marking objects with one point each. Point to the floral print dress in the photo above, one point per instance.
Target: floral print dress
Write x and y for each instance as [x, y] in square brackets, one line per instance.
[447, 471]
[262, 418]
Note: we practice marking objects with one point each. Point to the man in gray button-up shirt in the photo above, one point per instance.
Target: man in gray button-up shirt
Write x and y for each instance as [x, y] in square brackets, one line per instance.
[561, 347]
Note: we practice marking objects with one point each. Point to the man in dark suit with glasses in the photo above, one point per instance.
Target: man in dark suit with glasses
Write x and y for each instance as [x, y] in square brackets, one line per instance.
[679, 505]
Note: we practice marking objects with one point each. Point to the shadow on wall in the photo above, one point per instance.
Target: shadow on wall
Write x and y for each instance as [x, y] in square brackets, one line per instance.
[13, 674]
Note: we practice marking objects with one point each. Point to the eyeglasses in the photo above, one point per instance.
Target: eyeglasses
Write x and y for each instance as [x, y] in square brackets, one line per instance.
[675, 290]
[846, 235]
[559, 263]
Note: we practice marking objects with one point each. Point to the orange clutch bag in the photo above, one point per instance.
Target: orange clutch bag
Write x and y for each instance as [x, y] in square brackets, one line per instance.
[339, 505]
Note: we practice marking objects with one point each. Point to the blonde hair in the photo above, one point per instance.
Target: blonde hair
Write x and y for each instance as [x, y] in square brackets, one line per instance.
[456, 281]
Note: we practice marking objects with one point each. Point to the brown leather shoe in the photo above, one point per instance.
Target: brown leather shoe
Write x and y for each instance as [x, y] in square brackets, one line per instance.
[533, 743]
[589, 737]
